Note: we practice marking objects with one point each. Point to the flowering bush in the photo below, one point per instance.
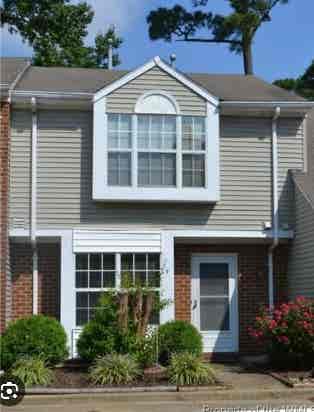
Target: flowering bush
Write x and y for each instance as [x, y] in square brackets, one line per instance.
[288, 331]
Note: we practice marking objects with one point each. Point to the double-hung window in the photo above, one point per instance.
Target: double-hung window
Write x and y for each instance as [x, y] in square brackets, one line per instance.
[119, 150]
[156, 144]
[194, 151]
[97, 273]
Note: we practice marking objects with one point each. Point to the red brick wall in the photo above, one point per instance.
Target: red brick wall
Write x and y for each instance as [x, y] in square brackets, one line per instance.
[48, 280]
[4, 196]
[252, 282]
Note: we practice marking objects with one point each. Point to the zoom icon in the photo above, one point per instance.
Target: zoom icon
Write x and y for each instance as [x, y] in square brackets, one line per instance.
[12, 390]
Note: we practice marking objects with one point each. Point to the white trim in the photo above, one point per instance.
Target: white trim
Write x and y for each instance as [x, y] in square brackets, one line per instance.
[217, 341]
[67, 287]
[231, 234]
[34, 171]
[100, 152]
[167, 276]
[54, 94]
[213, 150]
[155, 62]
[178, 233]
[141, 101]
[305, 145]
[271, 104]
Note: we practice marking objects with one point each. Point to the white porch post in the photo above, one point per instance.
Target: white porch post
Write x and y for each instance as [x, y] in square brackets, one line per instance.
[67, 288]
[167, 275]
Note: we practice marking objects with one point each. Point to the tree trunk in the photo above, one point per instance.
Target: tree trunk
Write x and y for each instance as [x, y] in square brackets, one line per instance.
[137, 310]
[248, 59]
[123, 311]
[148, 307]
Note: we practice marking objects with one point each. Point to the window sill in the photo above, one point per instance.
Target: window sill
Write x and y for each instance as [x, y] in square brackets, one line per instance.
[142, 194]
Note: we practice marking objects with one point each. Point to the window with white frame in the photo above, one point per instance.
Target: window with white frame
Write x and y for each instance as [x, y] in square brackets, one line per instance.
[156, 150]
[97, 273]
[119, 149]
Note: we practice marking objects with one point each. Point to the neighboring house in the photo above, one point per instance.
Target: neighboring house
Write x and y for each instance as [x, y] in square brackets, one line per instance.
[153, 170]
[11, 70]
[301, 263]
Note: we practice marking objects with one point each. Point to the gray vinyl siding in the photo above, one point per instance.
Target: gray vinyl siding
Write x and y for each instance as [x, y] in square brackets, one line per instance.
[301, 260]
[123, 100]
[290, 156]
[20, 162]
[65, 178]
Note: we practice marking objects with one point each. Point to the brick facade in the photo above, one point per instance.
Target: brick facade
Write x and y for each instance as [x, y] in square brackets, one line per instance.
[4, 198]
[48, 280]
[252, 282]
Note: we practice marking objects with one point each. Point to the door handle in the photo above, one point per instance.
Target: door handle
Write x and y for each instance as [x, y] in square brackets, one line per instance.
[194, 304]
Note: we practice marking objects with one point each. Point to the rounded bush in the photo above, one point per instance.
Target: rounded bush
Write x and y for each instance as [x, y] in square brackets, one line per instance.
[176, 337]
[36, 336]
[288, 332]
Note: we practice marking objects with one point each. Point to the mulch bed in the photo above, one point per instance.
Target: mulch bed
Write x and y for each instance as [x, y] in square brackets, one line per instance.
[69, 377]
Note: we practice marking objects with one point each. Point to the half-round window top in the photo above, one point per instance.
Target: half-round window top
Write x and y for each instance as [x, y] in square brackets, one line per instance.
[157, 102]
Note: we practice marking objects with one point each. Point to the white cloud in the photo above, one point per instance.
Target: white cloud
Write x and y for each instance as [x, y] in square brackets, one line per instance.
[121, 13]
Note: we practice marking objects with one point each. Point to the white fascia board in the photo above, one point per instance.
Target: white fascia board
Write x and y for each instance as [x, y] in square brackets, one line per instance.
[273, 104]
[187, 82]
[156, 61]
[52, 95]
[244, 234]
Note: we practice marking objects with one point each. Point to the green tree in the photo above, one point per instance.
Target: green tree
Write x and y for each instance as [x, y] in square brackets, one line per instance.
[303, 85]
[56, 30]
[236, 29]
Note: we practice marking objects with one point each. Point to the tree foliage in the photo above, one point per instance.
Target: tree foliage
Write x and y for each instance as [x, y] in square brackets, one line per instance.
[57, 29]
[236, 29]
[303, 85]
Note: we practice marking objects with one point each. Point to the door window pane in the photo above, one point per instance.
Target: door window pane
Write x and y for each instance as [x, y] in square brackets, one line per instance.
[214, 314]
[214, 279]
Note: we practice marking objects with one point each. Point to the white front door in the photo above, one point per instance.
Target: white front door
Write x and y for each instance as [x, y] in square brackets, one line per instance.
[214, 301]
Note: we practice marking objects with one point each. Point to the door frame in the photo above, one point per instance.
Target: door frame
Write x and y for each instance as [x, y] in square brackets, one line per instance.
[233, 335]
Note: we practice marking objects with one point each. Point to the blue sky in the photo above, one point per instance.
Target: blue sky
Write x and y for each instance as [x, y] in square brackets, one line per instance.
[283, 47]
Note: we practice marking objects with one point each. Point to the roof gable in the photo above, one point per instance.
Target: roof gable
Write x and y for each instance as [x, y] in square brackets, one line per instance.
[156, 62]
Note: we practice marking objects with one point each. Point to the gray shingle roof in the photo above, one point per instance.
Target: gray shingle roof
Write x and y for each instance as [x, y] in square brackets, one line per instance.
[10, 68]
[226, 87]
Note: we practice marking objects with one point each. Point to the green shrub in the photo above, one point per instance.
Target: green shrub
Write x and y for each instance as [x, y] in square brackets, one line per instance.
[102, 336]
[32, 371]
[188, 369]
[114, 369]
[34, 336]
[288, 332]
[176, 337]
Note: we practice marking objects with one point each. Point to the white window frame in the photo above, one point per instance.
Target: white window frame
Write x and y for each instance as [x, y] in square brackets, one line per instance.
[117, 280]
[103, 192]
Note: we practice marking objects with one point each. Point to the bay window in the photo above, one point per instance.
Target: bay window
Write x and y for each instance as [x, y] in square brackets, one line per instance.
[156, 153]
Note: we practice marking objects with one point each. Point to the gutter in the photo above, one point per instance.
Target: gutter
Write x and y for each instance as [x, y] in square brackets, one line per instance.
[33, 225]
[275, 104]
[275, 208]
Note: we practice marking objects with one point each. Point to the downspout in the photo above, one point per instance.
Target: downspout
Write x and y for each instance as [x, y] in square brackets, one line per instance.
[275, 207]
[34, 206]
